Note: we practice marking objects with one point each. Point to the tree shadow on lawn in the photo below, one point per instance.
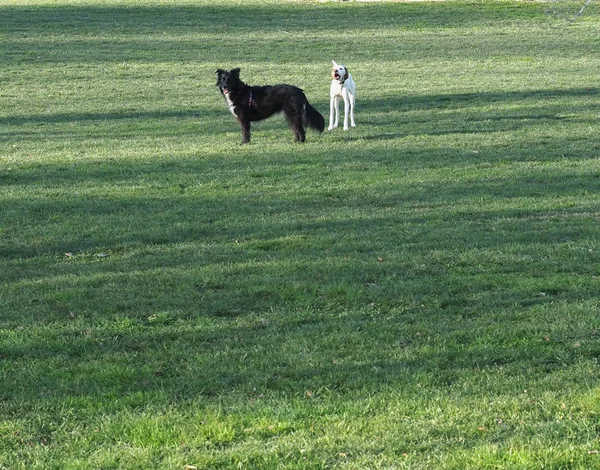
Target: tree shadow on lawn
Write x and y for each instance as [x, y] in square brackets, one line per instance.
[157, 33]
[113, 116]
[193, 199]
[324, 277]
[484, 99]
[235, 206]
[475, 113]
[291, 354]
[465, 113]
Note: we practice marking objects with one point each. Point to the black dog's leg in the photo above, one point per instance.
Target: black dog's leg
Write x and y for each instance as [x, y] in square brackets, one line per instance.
[298, 128]
[293, 113]
[245, 125]
[295, 123]
[299, 131]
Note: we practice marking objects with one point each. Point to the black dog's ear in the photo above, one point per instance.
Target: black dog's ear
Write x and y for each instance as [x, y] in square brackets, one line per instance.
[219, 73]
[236, 71]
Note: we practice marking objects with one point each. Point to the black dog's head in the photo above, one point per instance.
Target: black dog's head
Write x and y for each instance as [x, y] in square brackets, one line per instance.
[228, 81]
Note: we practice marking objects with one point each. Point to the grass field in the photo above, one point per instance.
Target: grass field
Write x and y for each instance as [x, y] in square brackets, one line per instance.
[421, 292]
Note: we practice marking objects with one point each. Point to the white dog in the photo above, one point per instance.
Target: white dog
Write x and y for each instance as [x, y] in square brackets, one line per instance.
[342, 86]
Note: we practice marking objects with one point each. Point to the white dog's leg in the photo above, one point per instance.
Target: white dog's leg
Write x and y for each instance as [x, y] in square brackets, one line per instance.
[331, 111]
[334, 112]
[352, 101]
[346, 96]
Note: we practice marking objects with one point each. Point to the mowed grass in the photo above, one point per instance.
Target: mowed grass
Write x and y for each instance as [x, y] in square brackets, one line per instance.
[419, 292]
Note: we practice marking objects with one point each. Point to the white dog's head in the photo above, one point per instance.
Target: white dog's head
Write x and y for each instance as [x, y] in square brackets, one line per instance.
[339, 72]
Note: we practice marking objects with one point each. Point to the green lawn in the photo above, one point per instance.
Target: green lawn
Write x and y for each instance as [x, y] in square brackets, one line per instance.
[421, 292]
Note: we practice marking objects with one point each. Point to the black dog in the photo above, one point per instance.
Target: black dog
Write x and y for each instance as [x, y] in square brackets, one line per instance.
[255, 103]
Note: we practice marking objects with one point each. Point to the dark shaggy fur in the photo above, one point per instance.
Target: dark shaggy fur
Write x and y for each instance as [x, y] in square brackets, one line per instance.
[255, 103]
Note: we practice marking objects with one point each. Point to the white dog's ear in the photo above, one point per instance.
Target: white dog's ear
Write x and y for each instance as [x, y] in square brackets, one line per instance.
[334, 64]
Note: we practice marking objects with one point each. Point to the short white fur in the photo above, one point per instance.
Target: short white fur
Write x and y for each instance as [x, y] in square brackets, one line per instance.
[341, 89]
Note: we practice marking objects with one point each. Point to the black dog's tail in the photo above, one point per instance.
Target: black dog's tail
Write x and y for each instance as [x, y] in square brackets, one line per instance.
[313, 118]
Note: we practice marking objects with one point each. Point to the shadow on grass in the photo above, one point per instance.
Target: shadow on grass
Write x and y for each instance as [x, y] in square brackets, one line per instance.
[336, 285]
[294, 354]
[63, 34]
[465, 113]
[474, 100]
[114, 116]
[478, 113]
